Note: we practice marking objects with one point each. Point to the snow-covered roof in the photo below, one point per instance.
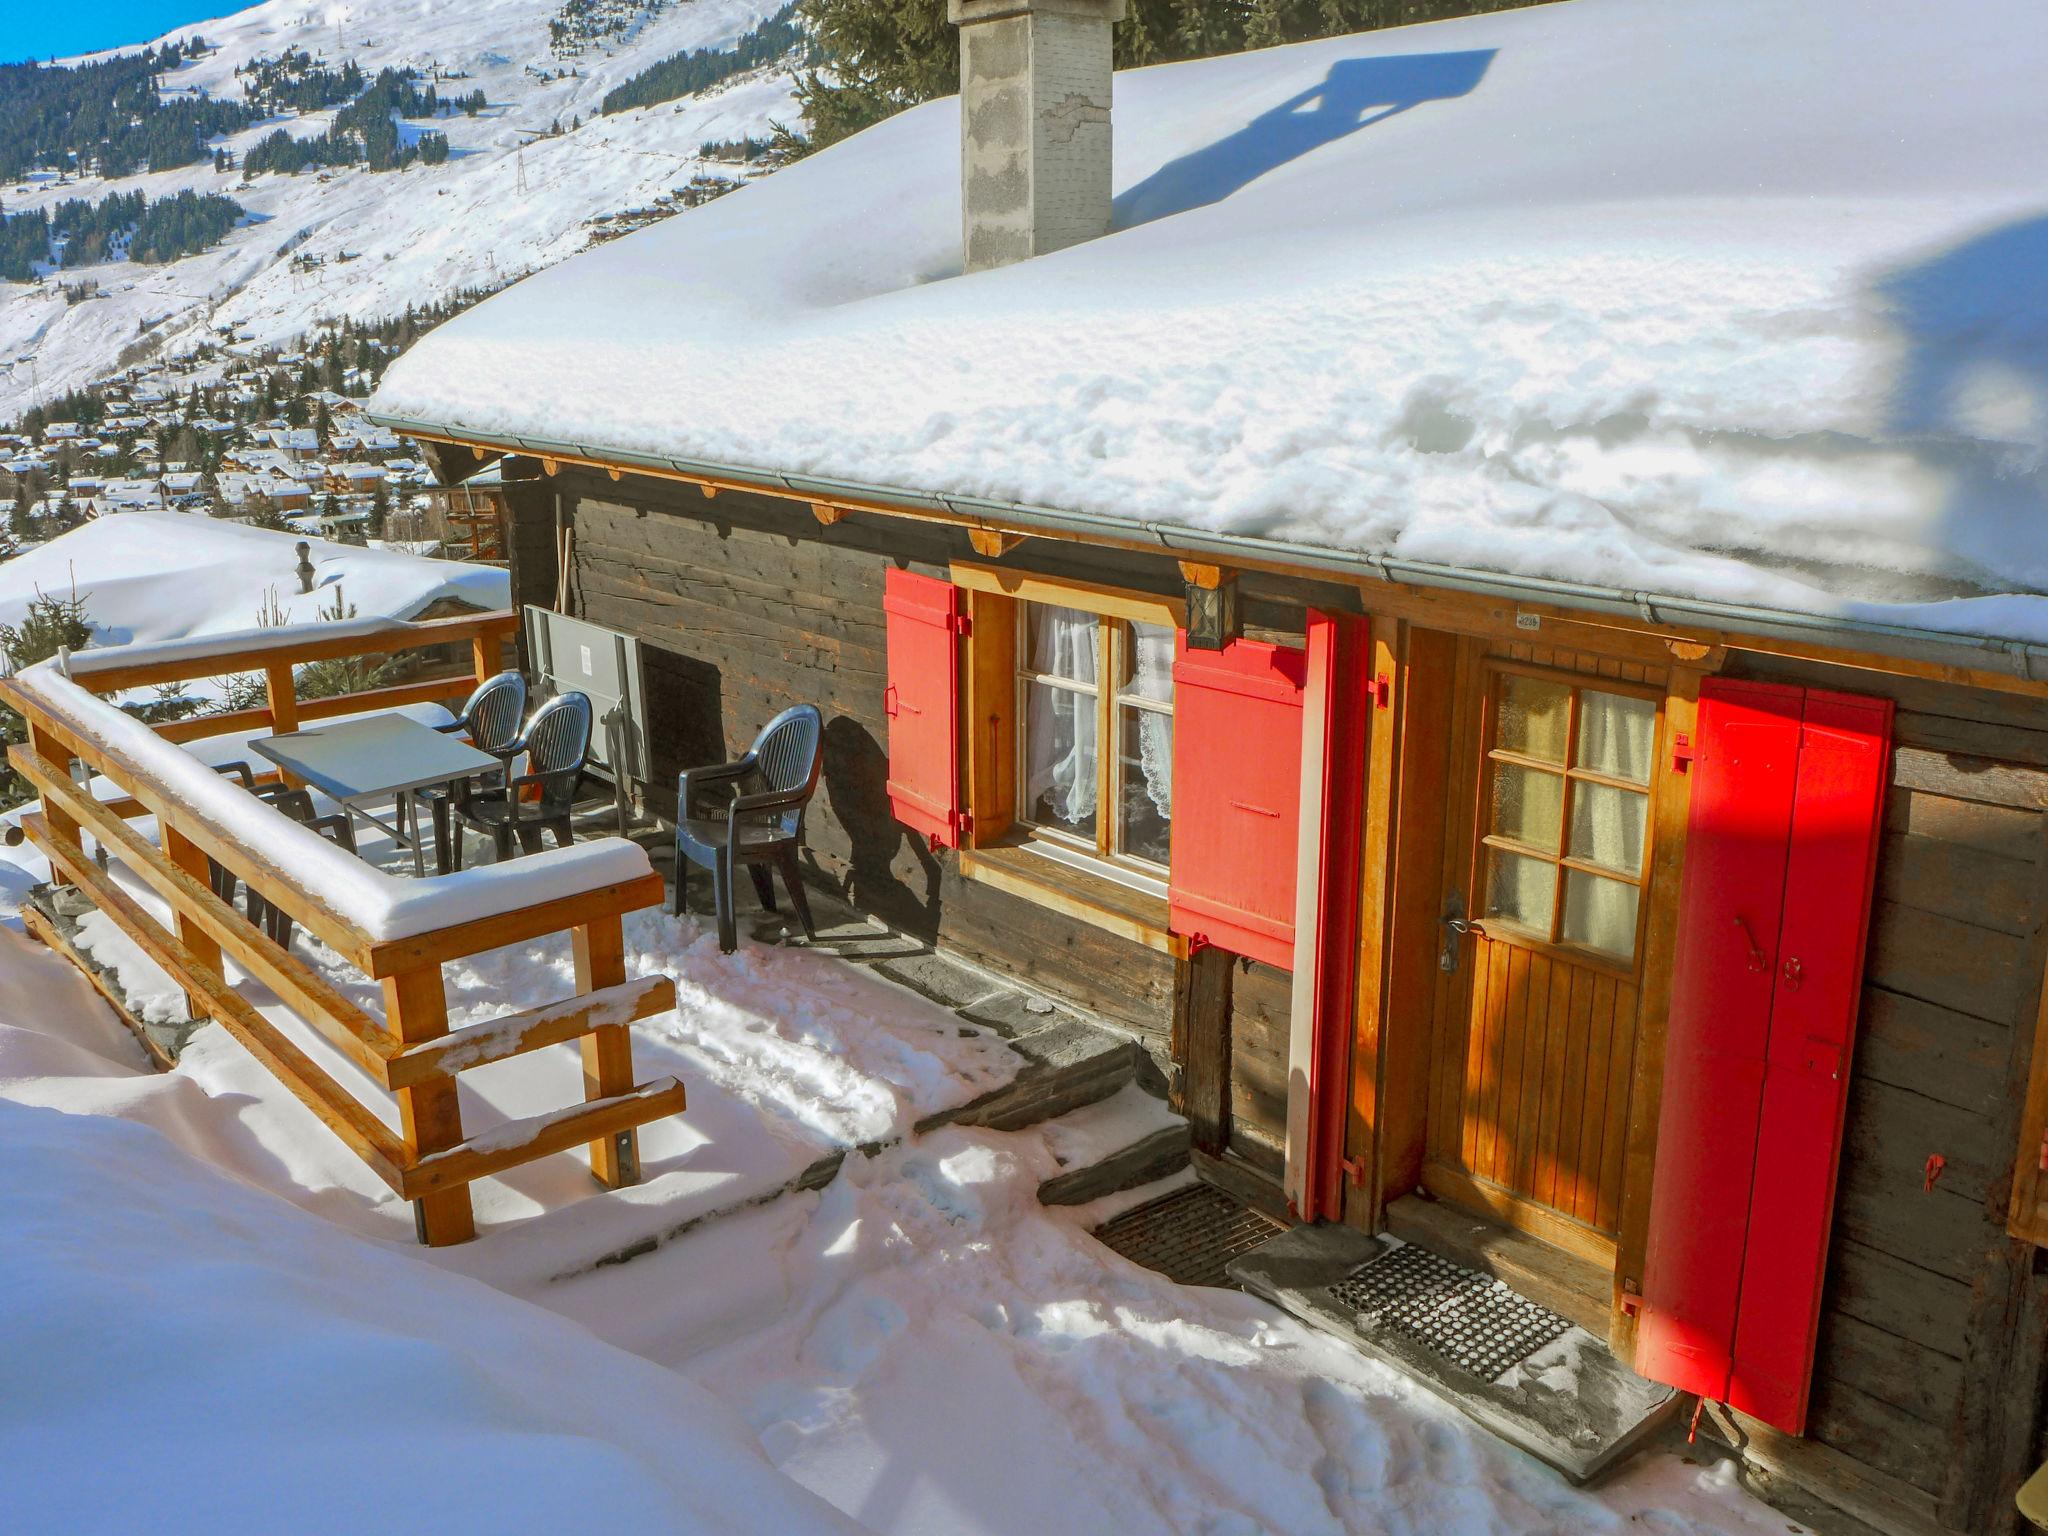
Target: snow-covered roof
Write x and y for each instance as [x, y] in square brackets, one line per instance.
[1742, 302]
[157, 576]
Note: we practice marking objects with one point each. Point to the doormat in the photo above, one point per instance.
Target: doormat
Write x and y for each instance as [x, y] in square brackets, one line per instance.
[1189, 1235]
[1463, 1317]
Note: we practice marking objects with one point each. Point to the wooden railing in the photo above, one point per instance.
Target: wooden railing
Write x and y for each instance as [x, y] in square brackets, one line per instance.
[410, 1051]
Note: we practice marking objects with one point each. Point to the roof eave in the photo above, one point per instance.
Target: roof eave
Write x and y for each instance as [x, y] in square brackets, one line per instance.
[2021, 659]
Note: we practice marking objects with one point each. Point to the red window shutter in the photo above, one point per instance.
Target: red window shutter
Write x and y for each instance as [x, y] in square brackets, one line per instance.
[1786, 808]
[1837, 817]
[1236, 796]
[922, 703]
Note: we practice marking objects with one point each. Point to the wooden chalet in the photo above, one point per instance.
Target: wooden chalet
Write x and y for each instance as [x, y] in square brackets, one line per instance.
[1680, 962]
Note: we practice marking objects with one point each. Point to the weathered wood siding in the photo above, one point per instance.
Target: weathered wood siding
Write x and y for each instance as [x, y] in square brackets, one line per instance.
[747, 605]
[1932, 1342]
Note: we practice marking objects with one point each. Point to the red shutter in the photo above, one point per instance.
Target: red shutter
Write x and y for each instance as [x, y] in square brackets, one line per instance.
[1786, 808]
[922, 703]
[1236, 796]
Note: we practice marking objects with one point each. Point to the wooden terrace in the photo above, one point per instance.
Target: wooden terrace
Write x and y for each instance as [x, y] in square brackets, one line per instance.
[166, 819]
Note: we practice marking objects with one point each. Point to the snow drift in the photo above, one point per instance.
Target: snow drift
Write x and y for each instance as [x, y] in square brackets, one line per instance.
[159, 576]
[1743, 302]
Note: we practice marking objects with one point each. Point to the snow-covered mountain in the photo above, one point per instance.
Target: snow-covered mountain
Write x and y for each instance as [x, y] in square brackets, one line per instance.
[349, 241]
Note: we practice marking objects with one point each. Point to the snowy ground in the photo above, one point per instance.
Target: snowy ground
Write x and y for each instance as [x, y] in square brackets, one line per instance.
[386, 241]
[192, 1263]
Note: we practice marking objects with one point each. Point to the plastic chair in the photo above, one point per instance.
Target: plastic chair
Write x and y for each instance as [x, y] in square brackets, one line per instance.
[763, 823]
[490, 719]
[556, 743]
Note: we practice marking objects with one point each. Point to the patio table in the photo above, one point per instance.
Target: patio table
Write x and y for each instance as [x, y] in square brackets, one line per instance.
[359, 761]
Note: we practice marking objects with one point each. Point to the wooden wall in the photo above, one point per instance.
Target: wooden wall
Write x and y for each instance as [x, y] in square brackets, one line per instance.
[1935, 1332]
[746, 605]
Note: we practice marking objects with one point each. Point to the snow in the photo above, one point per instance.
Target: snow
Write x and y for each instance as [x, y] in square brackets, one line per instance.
[385, 241]
[167, 576]
[920, 1344]
[1741, 302]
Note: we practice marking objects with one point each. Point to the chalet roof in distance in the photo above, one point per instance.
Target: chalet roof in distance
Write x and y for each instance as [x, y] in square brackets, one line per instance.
[1744, 303]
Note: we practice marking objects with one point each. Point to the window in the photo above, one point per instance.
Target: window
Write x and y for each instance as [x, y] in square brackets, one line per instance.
[1567, 811]
[1084, 679]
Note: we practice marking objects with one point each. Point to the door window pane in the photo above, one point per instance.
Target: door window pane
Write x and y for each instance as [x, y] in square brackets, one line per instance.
[1608, 826]
[1522, 890]
[1600, 914]
[1145, 809]
[1528, 805]
[1061, 642]
[1059, 758]
[1617, 734]
[1532, 717]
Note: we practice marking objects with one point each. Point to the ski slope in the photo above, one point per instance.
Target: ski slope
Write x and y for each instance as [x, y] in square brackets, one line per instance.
[504, 204]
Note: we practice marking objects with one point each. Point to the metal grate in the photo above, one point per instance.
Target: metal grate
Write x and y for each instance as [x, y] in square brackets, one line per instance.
[1458, 1314]
[1189, 1235]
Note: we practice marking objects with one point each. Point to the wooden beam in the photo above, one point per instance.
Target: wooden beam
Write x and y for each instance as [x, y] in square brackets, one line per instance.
[1201, 1043]
[448, 1173]
[600, 950]
[533, 1029]
[993, 543]
[1117, 602]
[550, 467]
[827, 514]
[413, 635]
[364, 1133]
[1359, 1198]
[616, 473]
[989, 712]
[388, 957]
[415, 1010]
[1196, 574]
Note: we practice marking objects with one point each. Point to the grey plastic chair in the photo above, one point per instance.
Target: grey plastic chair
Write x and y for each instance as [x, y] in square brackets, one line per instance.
[761, 825]
[490, 719]
[556, 744]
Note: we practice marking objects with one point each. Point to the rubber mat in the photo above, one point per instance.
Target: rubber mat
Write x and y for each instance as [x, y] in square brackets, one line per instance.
[1189, 1235]
[1462, 1316]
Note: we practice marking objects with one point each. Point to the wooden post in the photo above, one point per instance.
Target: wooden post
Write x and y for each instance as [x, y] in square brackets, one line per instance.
[1673, 776]
[484, 650]
[1202, 987]
[416, 1009]
[607, 1050]
[191, 858]
[284, 697]
[58, 756]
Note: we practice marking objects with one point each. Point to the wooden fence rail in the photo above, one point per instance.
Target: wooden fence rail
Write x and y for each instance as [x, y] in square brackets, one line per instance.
[410, 1051]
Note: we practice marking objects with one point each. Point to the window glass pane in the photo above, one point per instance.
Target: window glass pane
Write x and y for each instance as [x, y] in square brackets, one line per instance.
[1608, 825]
[1600, 914]
[1520, 889]
[1528, 805]
[1617, 735]
[1148, 663]
[1063, 642]
[1145, 806]
[1532, 717]
[1059, 758]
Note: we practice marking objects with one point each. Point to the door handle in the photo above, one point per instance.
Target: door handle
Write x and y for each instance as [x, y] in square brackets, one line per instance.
[1455, 925]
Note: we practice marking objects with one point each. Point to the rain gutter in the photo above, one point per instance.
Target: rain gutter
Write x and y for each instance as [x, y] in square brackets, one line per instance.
[2015, 658]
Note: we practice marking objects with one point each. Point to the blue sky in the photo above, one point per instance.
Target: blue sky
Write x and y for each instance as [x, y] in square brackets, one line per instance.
[37, 29]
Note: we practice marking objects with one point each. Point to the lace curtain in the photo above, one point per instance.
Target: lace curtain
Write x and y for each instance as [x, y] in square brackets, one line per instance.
[1152, 678]
[1059, 728]
[1610, 826]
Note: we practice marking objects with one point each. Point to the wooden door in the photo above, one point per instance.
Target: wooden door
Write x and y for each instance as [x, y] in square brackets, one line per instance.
[1546, 865]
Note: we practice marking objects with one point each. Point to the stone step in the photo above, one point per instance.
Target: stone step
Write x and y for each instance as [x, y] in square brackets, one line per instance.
[1067, 1064]
[1569, 1402]
[1118, 1143]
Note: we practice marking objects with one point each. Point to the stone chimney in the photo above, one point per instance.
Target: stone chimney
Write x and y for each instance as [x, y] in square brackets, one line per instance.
[1034, 125]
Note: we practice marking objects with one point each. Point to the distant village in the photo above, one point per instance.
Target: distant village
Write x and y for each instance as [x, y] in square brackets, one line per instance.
[269, 436]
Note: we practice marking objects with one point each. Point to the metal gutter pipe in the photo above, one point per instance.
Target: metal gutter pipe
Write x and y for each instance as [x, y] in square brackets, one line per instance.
[2018, 658]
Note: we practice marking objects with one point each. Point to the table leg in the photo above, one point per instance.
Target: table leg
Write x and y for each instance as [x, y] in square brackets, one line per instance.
[412, 828]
